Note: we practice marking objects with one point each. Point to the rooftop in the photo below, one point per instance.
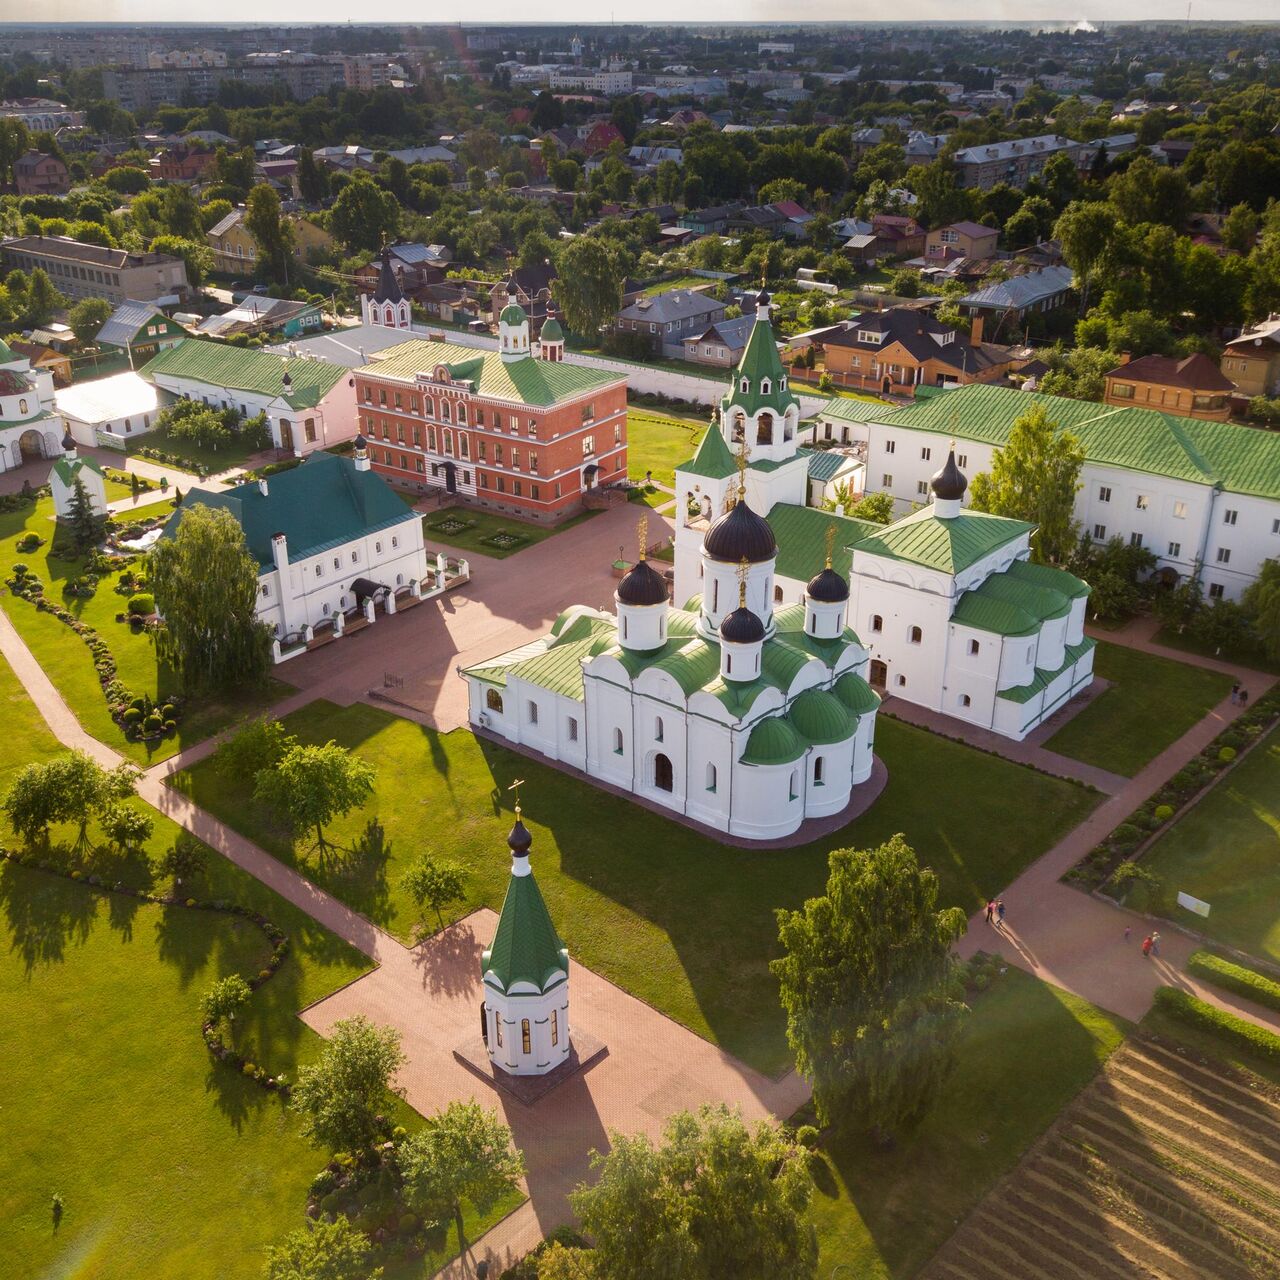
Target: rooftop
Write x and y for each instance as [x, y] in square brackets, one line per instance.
[240, 369]
[1195, 372]
[948, 545]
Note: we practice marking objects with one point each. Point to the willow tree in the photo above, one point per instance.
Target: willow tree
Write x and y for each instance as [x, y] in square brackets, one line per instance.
[866, 981]
[588, 284]
[206, 587]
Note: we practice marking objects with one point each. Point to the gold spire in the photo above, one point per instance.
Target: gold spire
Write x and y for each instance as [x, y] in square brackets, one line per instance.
[515, 786]
[744, 566]
[831, 542]
[642, 536]
[742, 470]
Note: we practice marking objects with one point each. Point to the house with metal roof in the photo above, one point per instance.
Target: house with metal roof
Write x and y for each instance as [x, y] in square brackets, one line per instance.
[140, 330]
[1011, 302]
[109, 412]
[721, 343]
[667, 319]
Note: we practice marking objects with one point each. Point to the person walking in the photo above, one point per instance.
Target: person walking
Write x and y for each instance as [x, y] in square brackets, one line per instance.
[991, 910]
[1235, 692]
[1000, 914]
[1244, 697]
[1128, 930]
[1155, 943]
[1146, 945]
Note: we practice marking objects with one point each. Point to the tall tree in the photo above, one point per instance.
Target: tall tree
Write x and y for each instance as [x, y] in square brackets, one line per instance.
[271, 232]
[313, 785]
[1262, 606]
[85, 522]
[342, 1096]
[865, 982]
[715, 1199]
[1035, 477]
[1086, 230]
[196, 256]
[322, 1251]
[206, 587]
[363, 215]
[69, 788]
[463, 1155]
[313, 181]
[42, 299]
[588, 284]
[88, 316]
[433, 885]
[181, 212]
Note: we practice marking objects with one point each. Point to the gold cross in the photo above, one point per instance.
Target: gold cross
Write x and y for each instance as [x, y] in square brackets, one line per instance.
[515, 786]
[742, 469]
[642, 535]
[744, 566]
[831, 542]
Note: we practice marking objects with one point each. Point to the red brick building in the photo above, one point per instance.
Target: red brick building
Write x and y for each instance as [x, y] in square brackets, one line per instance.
[508, 430]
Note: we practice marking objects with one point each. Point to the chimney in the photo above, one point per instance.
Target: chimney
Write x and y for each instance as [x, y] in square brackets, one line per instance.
[262, 485]
[1125, 357]
[280, 551]
[975, 331]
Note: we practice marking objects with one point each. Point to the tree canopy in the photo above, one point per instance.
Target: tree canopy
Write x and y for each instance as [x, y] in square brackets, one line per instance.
[312, 785]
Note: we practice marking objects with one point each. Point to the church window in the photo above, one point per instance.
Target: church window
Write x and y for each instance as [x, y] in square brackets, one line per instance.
[657, 729]
[555, 1027]
[813, 624]
[782, 383]
[573, 729]
[715, 595]
[266, 591]
[765, 386]
[915, 635]
[395, 541]
[711, 777]
[974, 647]
[337, 562]
[890, 446]
[818, 766]
[900, 681]
[617, 742]
[430, 406]
[525, 1046]
[965, 700]
[444, 411]
[355, 557]
[777, 595]
[533, 712]
[319, 571]
[448, 441]
[462, 413]
[22, 406]
[728, 663]
[745, 386]
[309, 430]
[625, 634]
[962, 460]
[793, 787]
[497, 1022]
[886, 480]
[877, 622]
[463, 450]
[922, 487]
[925, 454]
[377, 546]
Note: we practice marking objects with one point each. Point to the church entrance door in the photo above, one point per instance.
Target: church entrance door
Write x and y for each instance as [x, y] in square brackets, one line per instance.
[663, 775]
[286, 434]
[450, 478]
[31, 445]
[879, 673]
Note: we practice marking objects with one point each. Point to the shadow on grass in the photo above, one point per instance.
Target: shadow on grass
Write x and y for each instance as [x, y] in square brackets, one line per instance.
[45, 914]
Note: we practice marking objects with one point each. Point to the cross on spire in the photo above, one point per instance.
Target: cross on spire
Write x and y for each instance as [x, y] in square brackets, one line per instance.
[831, 542]
[642, 536]
[742, 469]
[744, 566]
[515, 786]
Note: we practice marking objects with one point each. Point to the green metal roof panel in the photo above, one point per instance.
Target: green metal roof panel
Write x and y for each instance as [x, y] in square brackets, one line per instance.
[950, 546]
[1043, 679]
[524, 381]
[856, 694]
[989, 613]
[526, 946]
[67, 470]
[773, 741]
[1046, 575]
[848, 409]
[712, 459]
[1042, 603]
[801, 535]
[821, 718]
[824, 463]
[760, 360]
[240, 369]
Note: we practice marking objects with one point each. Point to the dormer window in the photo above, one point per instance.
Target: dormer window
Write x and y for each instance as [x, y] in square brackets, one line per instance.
[782, 383]
[764, 386]
[873, 336]
[746, 386]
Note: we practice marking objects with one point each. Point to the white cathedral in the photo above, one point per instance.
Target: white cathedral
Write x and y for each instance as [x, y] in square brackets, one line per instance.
[753, 707]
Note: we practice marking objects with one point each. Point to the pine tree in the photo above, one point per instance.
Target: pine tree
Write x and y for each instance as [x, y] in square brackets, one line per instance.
[86, 524]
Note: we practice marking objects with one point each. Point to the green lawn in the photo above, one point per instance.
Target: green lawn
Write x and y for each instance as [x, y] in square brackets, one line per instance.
[212, 460]
[1254, 658]
[148, 507]
[680, 920]
[470, 531]
[67, 660]
[168, 1164]
[680, 282]
[660, 443]
[1226, 851]
[1028, 1050]
[1152, 702]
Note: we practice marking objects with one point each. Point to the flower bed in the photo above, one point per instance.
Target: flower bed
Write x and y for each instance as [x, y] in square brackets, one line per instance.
[504, 540]
[1157, 812]
[451, 525]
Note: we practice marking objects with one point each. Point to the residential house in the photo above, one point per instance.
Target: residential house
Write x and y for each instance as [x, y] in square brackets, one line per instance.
[92, 271]
[1193, 387]
[235, 251]
[1014, 162]
[1102, 151]
[415, 265]
[309, 403]
[109, 413]
[961, 240]
[865, 249]
[1010, 303]
[897, 350]
[599, 137]
[530, 289]
[1197, 494]
[1251, 361]
[709, 222]
[180, 164]
[35, 174]
[720, 344]
[140, 331]
[901, 234]
[45, 357]
[259, 313]
[782, 218]
[347, 159]
[667, 319]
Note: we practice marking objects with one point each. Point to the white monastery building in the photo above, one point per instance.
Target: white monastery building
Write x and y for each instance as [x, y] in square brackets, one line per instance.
[30, 425]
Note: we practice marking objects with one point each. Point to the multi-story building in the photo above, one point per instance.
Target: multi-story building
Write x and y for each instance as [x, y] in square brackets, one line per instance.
[667, 319]
[186, 58]
[961, 240]
[1252, 361]
[40, 115]
[1193, 386]
[141, 88]
[1014, 162]
[584, 80]
[35, 174]
[508, 430]
[92, 271]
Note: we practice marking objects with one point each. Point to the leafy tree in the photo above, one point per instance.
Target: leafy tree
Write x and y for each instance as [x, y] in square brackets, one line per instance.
[1240, 228]
[271, 232]
[588, 284]
[126, 826]
[69, 788]
[196, 256]
[1079, 373]
[42, 299]
[88, 316]
[181, 213]
[235, 170]
[364, 215]
[535, 249]
[184, 859]
[225, 999]
[212, 212]
[433, 885]
[1035, 477]
[260, 744]
[942, 199]
[341, 1095]
[127, 180]
[85, 522]
[313, 181]
[1086, 230]
[876, 507]
[1262, 606]
[866, 985]
[313, 785]
[463, 1155]
[715, 1199]
[206, 586]
[566, 1262]
[1150, 192]
[322, 1251]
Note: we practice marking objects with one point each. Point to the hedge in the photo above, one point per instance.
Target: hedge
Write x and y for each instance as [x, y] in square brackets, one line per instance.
[1234, 1031]
[1237, 978]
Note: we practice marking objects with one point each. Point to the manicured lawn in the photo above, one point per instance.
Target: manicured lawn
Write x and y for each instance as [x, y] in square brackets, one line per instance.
[1226, 851]
[69, 664]
[168, 1163]
[211, 460]
[1028, 1050]
[660, 443]
[1152, 702]
[147, 508]
[678, 919]
[1189, 644]
[484, 533]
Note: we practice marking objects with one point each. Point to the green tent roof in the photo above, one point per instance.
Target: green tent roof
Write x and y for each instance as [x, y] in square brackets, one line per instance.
[513, 313]
[950, 545]
[526, 946]
[712, 459]
[773, 741]
[66, 471]
[760, 360]
[821, 717]
[856, 694]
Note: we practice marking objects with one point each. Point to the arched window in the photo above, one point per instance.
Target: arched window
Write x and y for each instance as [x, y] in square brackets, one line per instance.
[555, 1028]
[915, 635]
[444, 411]
[22, 406]
[462, 413]
[657, 729]
[765, 385]
[794, 786]
[429, 407]
[493, 700]
[965, 700]
[777, 595]
[715, 594]
[497, 1022]
[818, 763]
[617, 742]
[624, 627]
[391, 314]
[746, 386]
[525, 1039]
[764, 429]
[877, 622]
[663, 773]
[711, 777]
[900, 681]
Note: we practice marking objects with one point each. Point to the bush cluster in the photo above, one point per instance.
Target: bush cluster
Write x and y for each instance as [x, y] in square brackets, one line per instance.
[1234, 977]
[1236, 1032]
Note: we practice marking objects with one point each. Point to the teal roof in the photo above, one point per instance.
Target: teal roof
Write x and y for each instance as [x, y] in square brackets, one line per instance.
[773, 741]
[1043, 679]
[1238, 459]
[525, 381]
[760, 360]
[801, 535]
[824, 463]
[949, 545]
[551, 330]
[712, 459]
[323, 503]
[856, 694]
[239, 369]
[526, 946]
[821, 718]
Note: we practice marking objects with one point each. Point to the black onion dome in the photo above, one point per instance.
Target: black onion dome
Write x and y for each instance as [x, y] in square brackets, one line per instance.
[68, 441]
[642, 584]
[950, 482]
[762, 298]
[828, 587]
[740, 535]
[361, 442]
[519, 840]
[741, 627]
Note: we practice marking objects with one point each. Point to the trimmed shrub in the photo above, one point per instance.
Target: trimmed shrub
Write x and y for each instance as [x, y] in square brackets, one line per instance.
[807, 1136]
[1164, 812]
[1233, 1031]
[141, 605]
[1227, 754]
[1236, 978]
[132, 716]
[29, 542]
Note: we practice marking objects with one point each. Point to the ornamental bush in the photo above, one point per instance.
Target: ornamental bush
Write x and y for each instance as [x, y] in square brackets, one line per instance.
[1227, 754]
[142, 605]
[1164, 812]
[807, 1136]
[29, 542]
[1237, 978]
[1217, 1022]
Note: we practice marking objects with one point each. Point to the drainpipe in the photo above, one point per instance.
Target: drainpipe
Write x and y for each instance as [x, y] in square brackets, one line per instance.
[1204, 539]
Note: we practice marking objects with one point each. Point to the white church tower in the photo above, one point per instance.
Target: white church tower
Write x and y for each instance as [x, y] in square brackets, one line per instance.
[69, 469]
[387, 306]
[524, 974]
[513, 330]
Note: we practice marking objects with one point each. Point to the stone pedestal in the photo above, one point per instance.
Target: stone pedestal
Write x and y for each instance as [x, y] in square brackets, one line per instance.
[584, 1050]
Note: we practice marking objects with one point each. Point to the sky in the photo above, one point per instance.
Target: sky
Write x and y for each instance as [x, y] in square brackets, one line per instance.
[1019, 12]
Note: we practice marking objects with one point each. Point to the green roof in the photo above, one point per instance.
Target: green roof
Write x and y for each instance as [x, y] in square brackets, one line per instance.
[323, 503]
[712, 459]
[551, 330]
[1046, 575]
[821, 717]
[6, 353]
[240, 369]
[513, 313]
[66, 470]
[949, 545]
[1043, 679]
[848, 409]
[773, 741]
[525, 381]
[801, 535]
[526, 946]
[856, 694]
[1238, 459]
[824, 463]
[760, 360]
